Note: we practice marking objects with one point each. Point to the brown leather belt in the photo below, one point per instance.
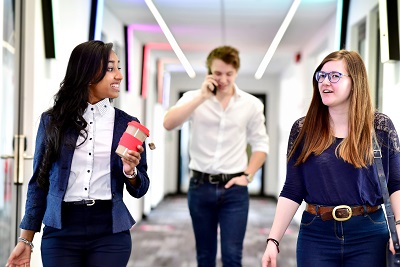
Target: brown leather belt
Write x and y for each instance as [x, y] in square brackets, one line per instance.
[339, 213]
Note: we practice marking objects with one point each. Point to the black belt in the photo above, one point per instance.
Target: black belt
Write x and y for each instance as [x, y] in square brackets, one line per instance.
[215, 178]
[87, 202]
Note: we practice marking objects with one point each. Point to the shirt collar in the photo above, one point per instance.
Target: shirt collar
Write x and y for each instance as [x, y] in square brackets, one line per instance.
[237, 92]
[101, 107]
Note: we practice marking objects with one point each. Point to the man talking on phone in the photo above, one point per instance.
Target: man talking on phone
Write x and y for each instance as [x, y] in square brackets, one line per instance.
[224, 120]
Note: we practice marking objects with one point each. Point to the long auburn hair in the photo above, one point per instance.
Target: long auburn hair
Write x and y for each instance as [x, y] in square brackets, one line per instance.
[87, 65]
[356, 148]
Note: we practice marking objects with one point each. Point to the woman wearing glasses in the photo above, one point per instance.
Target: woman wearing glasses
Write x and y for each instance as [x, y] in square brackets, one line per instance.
[330, 167]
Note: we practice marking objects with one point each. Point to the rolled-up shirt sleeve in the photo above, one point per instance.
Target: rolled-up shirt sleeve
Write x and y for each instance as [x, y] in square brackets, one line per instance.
[257, 135]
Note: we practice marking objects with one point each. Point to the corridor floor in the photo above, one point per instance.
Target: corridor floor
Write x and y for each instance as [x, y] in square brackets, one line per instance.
[165, 238]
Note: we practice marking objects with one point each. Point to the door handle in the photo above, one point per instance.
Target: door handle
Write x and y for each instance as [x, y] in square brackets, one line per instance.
[7, 156]
[19, 157]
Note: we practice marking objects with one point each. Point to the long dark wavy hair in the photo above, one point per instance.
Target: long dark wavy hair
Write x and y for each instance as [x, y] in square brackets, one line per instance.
[87, 65]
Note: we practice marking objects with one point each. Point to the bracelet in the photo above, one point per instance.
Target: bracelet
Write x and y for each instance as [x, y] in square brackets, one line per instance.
[275, 242]
[29, 243]
[398, 222]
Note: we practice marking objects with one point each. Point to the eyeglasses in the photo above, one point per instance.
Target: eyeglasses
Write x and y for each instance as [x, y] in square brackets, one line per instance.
[333, 76]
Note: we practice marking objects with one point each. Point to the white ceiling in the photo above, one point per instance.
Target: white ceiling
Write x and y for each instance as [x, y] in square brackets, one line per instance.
[249, 25]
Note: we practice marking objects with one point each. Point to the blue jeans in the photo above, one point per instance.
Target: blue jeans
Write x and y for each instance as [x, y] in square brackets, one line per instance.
[210, 205]
[359, 241]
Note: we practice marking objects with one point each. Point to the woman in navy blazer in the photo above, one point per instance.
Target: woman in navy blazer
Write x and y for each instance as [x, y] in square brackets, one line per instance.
[78, 180]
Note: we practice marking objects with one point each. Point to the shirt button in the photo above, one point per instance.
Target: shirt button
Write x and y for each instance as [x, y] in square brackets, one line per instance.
[85, 188]
[92, 108]
[88, 171]
[90, 154]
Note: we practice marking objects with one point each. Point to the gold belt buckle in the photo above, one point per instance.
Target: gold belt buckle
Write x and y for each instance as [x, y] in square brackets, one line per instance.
[341, 207]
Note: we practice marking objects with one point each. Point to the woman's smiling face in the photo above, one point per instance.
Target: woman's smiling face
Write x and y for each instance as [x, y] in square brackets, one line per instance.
[335, 94]
[108, 87]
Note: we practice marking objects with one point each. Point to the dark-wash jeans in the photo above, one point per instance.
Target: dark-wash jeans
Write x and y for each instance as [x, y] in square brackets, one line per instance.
[86, 239]
[359, 241]
[211, 205]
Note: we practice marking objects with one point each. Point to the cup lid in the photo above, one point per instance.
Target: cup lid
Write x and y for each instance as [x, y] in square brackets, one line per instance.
[140, 127]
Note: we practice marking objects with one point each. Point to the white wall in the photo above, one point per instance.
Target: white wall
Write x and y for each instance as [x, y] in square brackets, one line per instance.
[391, 92]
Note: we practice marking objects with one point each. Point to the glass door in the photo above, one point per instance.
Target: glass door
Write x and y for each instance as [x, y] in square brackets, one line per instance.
[12, 142]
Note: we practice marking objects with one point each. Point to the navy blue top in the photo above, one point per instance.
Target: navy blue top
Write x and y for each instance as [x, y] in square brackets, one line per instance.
[330, 181]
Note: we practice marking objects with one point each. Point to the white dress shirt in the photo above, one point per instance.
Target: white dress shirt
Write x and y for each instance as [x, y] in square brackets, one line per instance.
[219, 138]
[90, 169]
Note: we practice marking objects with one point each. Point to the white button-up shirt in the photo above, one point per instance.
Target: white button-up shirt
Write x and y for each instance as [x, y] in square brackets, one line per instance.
[90, 169]
[219, 138]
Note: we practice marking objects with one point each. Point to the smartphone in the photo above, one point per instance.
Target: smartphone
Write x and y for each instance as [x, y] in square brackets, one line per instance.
[215, 87]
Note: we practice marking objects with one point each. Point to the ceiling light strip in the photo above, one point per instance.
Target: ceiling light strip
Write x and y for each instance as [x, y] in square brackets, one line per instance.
[271, 50]
[171, 39]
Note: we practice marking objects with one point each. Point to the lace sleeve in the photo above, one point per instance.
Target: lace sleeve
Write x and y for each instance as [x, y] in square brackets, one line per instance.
[294, 132]
[383, 123]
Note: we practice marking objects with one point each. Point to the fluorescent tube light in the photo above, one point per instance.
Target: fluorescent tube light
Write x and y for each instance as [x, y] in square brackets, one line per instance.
[271, 50]
[171, 39]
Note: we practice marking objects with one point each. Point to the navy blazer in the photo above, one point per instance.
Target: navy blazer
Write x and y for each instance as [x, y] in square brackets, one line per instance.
[45, 206]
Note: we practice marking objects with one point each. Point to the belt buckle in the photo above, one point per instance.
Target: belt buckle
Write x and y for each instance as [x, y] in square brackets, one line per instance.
[210, 179]
[91, 203]
[341, 207]
[377, 153]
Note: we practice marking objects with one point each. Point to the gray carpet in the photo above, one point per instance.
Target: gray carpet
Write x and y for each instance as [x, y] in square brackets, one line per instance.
[165, 237]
